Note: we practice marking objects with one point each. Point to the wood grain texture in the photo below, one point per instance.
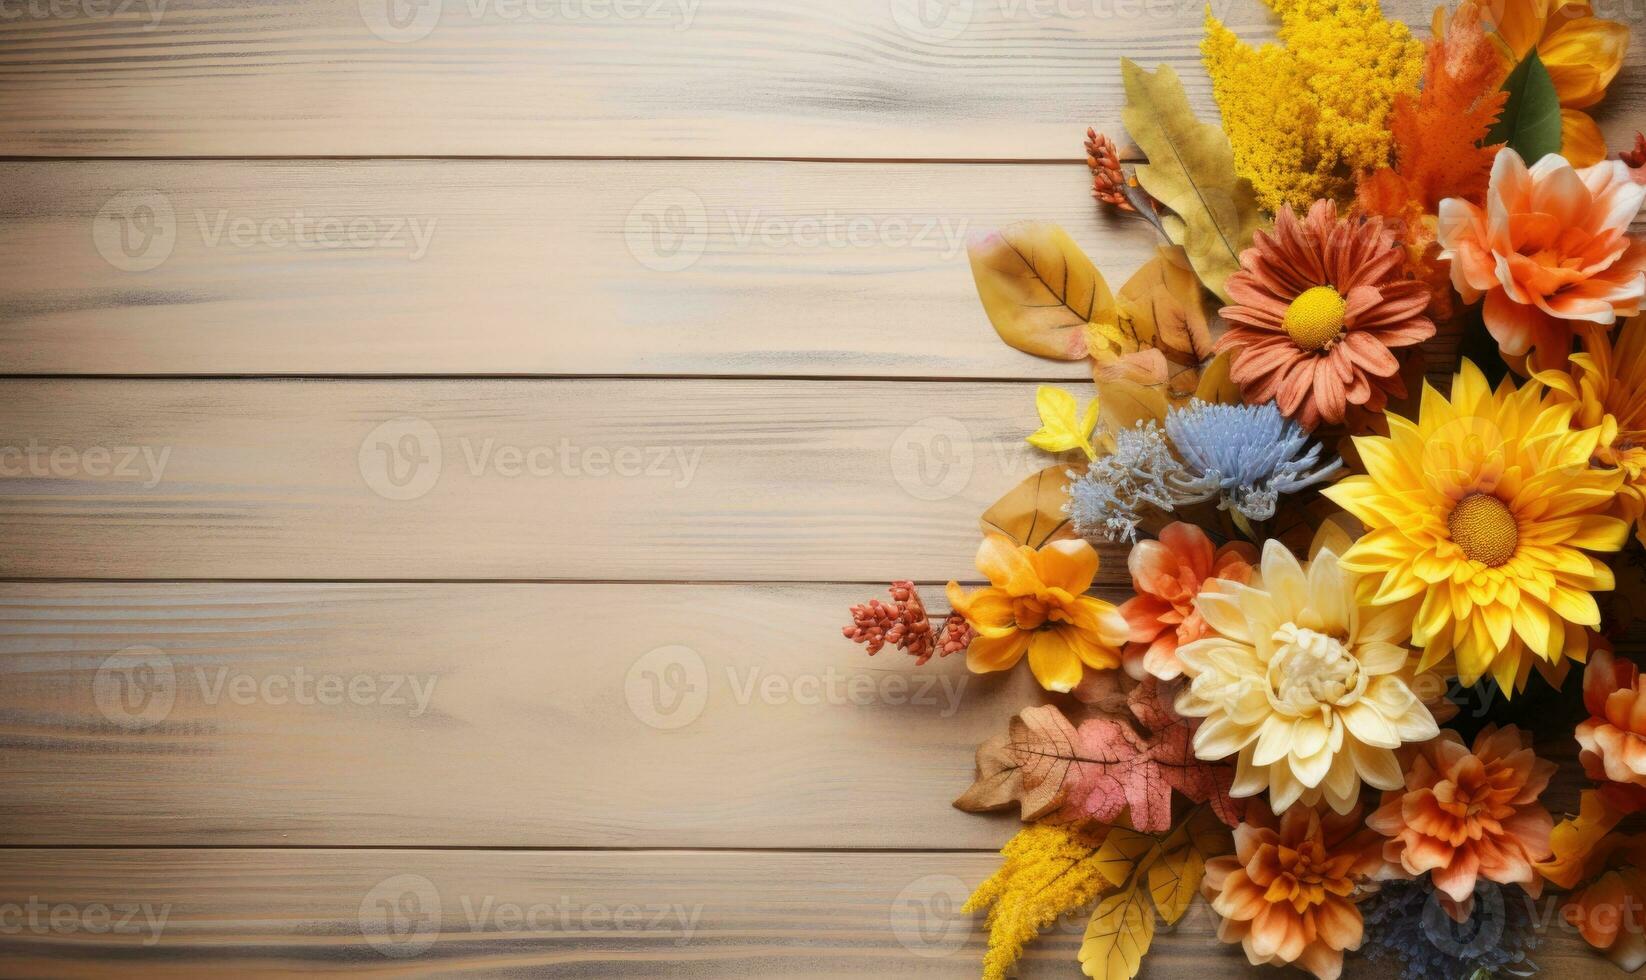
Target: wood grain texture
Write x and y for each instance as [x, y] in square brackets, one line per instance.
[592, 914]
[480, 716]
[654, 480]
[534, 267]
[849, 79]
[512, 914]
[487, 715]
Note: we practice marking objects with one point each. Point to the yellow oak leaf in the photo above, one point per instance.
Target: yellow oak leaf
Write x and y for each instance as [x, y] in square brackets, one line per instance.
[1118, 934]
[1062, 426]
[1191, 171]
[1573, 840]
[1122, 853]
[1039, 289]
[1174, 877]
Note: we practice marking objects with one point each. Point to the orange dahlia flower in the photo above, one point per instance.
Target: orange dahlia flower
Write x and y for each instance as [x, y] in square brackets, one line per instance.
[1613, 740]
[1287, 895]
[1468, 814]
[1168, 574]
[1036, 604]
[1550, 251]
[1319, 307]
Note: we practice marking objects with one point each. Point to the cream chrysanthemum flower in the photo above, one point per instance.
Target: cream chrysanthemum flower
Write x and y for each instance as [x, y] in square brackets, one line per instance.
[1483, 513]
[1310, 688]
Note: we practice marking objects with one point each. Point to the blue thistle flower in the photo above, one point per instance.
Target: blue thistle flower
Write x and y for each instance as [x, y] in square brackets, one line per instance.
[1244, 456]
[1248, 454]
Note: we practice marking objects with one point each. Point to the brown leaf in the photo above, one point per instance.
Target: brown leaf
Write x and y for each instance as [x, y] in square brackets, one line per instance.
[1111, 764]
[1039, 289]
[1164, 307]
[1032, 512]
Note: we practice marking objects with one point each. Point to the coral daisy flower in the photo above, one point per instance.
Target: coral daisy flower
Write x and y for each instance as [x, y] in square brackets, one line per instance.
[1550, 251]
[1287, 894]
[1486, 509]
[1167, 575]
[1308, 689]
[1319, 306]
[1607, 386]
[1469, 813]
[1035, 604]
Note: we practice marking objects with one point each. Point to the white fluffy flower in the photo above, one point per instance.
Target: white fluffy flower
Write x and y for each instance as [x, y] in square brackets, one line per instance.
[1310, 689]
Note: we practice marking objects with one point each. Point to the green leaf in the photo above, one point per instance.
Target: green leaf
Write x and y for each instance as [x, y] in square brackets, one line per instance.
[1530, 123]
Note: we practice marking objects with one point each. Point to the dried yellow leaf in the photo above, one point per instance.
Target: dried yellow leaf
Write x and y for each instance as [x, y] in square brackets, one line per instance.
[1039, 289]
[1119, 933]
[1191, 171]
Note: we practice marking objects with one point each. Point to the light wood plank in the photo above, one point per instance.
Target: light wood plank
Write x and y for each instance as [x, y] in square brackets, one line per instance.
[489, 715]
[480, 715]
[749, 78]
[272, 913]
[726, 480]
[544, 267]
[595, 914]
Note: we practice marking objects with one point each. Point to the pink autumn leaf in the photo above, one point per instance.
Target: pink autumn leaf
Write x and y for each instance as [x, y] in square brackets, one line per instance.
[1109, 766]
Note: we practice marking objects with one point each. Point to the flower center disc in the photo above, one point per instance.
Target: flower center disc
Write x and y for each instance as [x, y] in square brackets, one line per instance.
[1314, 321]
[1485, 528]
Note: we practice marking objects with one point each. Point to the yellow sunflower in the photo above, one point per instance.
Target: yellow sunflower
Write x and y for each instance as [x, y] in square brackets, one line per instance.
[1481, 514]
[1607, 388]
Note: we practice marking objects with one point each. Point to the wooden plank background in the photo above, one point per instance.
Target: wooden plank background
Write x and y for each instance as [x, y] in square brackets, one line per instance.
[674, 294]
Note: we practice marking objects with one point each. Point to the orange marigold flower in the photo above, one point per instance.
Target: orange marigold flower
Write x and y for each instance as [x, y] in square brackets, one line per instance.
[1468, 814]
[1550, 251]
[1288, 893]
[1167, 575]
[1036, 604]
[1613, 740]
[1319, 307]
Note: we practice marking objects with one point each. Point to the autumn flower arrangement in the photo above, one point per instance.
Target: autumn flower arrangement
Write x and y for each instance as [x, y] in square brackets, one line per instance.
[1366, 448]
